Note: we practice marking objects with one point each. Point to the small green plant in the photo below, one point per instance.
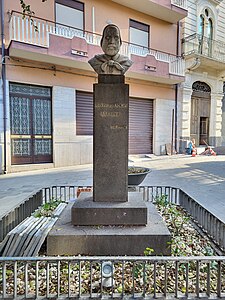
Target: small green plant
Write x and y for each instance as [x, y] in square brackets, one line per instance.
[47, 209]
[162, 200]
[137, 270]
[148, 251]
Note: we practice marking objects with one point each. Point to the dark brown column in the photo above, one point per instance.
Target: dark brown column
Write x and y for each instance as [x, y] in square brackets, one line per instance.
[111, 120]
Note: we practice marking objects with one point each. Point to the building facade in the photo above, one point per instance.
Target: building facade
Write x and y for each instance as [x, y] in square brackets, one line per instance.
[203, 47]
[46, 105]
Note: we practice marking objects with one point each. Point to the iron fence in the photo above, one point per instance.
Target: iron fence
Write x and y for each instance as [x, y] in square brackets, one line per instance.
[209, 223]
[145, 277]
[19, 213]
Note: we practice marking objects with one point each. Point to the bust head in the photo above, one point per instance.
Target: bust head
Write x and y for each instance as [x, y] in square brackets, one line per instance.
[111, 40]
[111, 62]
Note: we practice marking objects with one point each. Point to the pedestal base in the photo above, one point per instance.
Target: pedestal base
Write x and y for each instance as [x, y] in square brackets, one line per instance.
[66, 239]
[86, 212]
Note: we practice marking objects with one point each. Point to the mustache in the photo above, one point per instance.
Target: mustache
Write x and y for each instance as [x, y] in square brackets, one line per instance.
[112, 46]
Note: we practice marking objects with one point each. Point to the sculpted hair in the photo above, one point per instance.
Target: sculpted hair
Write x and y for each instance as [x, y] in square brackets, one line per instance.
[104, 30]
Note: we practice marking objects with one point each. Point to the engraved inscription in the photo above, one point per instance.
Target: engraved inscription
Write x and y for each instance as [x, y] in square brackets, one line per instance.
[105, 114]
[118, 127]
[113, 105]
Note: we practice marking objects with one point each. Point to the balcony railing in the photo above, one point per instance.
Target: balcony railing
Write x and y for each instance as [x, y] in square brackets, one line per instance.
[180, 3]
[37, 31]
[200, 45]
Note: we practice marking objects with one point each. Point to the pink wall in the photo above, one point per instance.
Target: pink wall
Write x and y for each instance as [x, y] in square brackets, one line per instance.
[107, 10]
[120, 15]
[44, 10]
[104, 10]
[42, 74]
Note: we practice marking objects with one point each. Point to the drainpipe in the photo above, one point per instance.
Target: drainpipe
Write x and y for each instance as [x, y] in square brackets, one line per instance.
[3, 84]
[176, 91]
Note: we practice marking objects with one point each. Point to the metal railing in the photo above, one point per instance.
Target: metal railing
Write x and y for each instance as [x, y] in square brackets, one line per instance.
[180, 3]
[37, 31]
[145, 277]
[212, 225]
[201, 45]
[19, 213]
[29, 205]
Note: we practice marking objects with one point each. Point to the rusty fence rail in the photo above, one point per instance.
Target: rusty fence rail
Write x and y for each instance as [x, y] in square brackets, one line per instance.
[147, 277]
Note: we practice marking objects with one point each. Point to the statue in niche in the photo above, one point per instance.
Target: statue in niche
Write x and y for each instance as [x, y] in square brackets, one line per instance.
[111, 62]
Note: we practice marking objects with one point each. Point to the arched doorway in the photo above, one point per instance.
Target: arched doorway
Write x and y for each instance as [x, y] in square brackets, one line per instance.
[200, 112]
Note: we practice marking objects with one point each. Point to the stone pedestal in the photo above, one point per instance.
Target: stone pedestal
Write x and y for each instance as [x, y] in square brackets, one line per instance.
[85, 212]
[111, 121]
[111, 221]
[67, 239]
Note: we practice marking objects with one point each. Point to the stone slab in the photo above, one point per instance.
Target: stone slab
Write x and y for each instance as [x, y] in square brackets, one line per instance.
[66, 239]
[89, 213]
[110, 140]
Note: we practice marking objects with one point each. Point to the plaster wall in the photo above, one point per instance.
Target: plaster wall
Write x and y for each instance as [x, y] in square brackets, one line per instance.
[221, 22]
[162, 123]
[69, 149]
[95, 20]
[203, 73]
[44, 75]
[217, 13]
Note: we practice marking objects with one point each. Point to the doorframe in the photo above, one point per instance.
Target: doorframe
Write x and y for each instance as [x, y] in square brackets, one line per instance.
[201, 91]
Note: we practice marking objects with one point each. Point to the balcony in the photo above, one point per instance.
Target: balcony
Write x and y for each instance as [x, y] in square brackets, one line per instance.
[45, 41]
[210, 53]
[170, 11]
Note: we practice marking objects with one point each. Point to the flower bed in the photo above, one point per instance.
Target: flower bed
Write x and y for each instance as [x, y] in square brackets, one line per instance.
[130, 277]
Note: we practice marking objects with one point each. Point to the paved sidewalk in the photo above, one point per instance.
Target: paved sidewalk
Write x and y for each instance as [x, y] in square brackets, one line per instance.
[202, 177]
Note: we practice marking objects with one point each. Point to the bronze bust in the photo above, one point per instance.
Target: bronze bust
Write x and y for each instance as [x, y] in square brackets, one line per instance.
[111, 62]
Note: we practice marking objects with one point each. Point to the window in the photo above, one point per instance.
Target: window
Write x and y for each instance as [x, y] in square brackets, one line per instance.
[201, 33]
[70, 13]
[205, 32]
[139, 34]
[201, 25]
[210, 29]
[205, 27]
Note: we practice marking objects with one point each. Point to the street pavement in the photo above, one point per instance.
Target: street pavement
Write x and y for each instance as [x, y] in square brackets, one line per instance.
[202, 177]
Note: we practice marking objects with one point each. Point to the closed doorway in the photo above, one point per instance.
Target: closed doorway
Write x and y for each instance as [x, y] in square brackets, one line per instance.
[200, 113]
[30, 124]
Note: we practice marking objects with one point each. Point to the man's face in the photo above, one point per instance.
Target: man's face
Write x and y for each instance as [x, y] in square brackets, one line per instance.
[111, 41]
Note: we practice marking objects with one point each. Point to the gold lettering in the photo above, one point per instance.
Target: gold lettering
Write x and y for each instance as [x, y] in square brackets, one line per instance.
[105, 114]
[113, 105]
[118, 127]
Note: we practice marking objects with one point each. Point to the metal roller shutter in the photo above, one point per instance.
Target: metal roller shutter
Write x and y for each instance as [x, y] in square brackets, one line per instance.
[140, 121]
[141, 126]
[84, 113]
